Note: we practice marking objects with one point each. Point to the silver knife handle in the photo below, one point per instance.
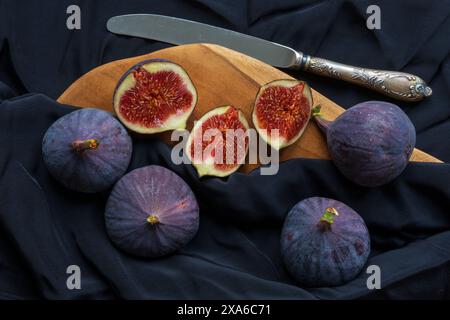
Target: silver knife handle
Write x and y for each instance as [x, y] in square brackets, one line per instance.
[398, 85]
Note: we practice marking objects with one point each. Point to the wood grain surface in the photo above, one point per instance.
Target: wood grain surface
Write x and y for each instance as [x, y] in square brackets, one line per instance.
[221, 77]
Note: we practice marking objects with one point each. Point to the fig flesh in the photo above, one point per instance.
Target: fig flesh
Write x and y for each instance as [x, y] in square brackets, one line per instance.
[87, 150]
[324, 242]
[154, 96]
[151, 212]
[282, 111]
[370, 143]
[218, 143]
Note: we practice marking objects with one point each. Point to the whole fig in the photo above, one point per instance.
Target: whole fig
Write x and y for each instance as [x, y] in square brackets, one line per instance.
[370, 143]
[324, 242]
[151, 212]
[87, 150]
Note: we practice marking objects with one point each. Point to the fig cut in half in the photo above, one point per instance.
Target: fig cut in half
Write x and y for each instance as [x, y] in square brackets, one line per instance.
[154, 96]
[281, 112]
[218, 143]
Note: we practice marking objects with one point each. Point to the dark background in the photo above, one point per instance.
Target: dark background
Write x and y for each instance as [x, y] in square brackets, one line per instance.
[44, 228]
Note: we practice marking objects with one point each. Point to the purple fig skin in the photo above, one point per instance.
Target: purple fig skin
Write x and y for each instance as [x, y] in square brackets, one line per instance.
[151, 212]
[92, 169]
[370, 143]
[317, 253]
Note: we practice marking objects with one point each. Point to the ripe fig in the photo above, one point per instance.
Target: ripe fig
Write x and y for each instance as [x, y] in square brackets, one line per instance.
[324, 242]
[87, 150]
[154, 96]
[218, 143]
[370, 143]
[281, 112]
[151, 212]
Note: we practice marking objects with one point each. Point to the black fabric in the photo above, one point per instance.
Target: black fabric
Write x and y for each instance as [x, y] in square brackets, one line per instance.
[44, 228]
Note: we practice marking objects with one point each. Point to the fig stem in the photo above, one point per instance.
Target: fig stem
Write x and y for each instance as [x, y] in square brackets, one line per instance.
[328, 218]
[320, 121]
[152, 219]
[316, 111]
[82, 145]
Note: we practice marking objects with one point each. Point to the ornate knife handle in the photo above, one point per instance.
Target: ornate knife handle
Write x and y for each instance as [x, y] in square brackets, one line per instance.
[398, 85]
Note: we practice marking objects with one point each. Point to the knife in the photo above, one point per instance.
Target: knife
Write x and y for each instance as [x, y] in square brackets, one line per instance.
[398, 85]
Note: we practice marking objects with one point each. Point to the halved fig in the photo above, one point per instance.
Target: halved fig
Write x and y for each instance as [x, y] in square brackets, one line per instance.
[154, 96]
[218, 143]
[281, 112]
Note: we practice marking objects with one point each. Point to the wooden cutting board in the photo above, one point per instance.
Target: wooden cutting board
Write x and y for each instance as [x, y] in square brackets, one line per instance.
[221, 77]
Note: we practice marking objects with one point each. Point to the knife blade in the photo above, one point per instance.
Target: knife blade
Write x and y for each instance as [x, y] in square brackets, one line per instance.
[180, 31]
[398, 85]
